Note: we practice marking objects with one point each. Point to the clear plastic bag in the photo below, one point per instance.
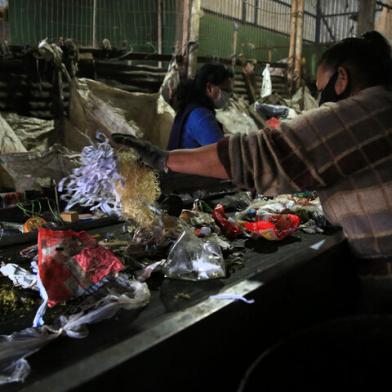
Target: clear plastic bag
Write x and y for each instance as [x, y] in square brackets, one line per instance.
[191, 258]
[266, 86]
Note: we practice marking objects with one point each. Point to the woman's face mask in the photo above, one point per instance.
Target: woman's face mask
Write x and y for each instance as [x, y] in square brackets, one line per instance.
[223, 99]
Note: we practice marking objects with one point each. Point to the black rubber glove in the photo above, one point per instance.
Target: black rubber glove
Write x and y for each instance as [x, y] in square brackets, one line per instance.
[151, 155]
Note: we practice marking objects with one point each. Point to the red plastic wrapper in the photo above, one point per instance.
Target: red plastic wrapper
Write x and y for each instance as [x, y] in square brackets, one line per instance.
[273, 123]
[274, 226]
[70, 262]
[230, 230]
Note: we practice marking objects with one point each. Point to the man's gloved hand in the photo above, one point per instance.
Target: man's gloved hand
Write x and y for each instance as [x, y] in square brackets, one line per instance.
[151, 155]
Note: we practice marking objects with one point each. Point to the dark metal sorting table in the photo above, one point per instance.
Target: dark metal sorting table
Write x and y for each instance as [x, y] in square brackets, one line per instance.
[184, 338]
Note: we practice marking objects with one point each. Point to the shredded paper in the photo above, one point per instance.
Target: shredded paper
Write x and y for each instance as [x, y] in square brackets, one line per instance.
[92, 184]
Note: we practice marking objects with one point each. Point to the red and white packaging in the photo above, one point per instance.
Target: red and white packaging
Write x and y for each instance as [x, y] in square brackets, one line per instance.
[70, 262]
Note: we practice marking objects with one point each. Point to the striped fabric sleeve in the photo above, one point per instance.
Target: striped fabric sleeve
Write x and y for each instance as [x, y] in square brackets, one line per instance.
[313, 151]
[265, 160]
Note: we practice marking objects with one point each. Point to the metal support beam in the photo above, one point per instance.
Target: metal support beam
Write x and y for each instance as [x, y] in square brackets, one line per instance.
[159, 28]
[298, 44]
[366, 13]
[257, 7]
[194, 37]
[244, 6]
[331, 34]
[95, 45]
[318, 22]
[235, 43]
[291, 56]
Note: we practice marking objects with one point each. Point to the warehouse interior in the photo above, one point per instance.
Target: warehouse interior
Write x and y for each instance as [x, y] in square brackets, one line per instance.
[195, 194]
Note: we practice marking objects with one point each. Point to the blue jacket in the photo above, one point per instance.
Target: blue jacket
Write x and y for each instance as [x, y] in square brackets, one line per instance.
[194, 127]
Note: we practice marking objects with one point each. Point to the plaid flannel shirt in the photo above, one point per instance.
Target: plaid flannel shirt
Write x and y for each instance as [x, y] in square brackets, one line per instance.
[343, 150]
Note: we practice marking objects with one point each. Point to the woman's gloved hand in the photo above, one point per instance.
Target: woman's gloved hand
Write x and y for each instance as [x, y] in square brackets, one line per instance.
[151, 155]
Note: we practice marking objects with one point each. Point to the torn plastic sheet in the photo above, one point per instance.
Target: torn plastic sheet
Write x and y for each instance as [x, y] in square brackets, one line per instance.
[31, 170]
[19, 276]
[14, 348]
[39, 315]
[144, 274]
[232, 297]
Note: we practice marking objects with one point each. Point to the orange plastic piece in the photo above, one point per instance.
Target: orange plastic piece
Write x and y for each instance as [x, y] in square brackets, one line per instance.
[33, 223]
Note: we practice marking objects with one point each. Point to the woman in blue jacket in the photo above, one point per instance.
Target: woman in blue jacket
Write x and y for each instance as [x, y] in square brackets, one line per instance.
[196, 99]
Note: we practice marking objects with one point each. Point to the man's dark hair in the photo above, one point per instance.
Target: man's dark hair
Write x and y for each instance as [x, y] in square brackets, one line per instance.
[194, 90]
[368, 59]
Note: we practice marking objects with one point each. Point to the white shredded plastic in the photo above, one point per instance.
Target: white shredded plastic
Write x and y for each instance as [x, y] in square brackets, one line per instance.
[233, 297]
[93, 183]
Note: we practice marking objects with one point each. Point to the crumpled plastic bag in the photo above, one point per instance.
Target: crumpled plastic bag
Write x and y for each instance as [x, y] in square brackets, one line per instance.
[123, 294]
[236, 121]
[269, 111]
[229, 228]
[170, 82]
[266, 85]
[70, 262]
[191, 258]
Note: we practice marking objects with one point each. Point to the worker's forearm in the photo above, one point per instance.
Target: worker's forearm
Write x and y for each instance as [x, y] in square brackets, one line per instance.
[202, 161]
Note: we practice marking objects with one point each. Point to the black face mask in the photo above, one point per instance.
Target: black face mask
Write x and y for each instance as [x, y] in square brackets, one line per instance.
[329, 94]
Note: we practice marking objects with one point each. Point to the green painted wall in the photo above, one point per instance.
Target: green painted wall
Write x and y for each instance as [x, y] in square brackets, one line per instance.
[134, 21]
[216, 39]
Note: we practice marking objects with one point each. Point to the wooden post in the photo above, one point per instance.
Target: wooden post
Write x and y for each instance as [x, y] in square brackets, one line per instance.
[235, 44]
[159, 28]
[185, 25]
[298, 44]
[244, 10]
[179, 20]
[185, 37]
[366, 13]
[257, 7]
[95, 45]
[194, 37]
[291, 56]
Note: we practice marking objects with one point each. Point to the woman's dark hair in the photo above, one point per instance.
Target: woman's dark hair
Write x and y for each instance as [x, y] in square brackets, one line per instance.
[368, 58]
[194, 90]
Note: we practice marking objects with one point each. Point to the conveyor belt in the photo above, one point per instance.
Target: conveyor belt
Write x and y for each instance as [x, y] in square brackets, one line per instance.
[124, 345]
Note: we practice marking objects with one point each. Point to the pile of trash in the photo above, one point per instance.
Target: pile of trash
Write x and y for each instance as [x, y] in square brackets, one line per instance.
[66, 267]
[93, 277]
[110, 274]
